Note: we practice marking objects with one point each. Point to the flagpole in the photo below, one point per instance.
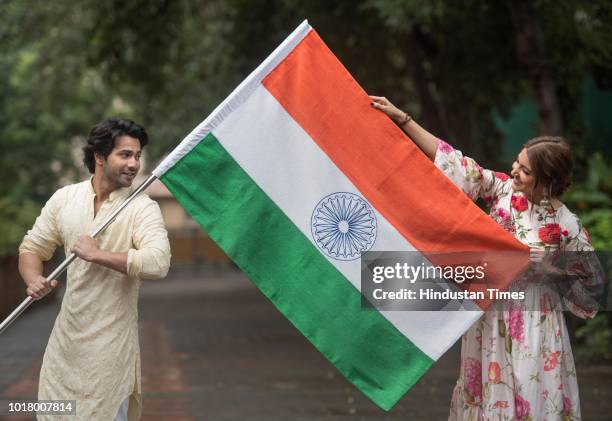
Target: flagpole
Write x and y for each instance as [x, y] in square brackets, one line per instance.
[62, 267]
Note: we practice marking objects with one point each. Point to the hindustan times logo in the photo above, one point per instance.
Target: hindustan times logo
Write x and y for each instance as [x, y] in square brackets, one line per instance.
[411, 273]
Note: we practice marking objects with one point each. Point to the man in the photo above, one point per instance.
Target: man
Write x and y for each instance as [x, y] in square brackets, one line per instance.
[93, 354]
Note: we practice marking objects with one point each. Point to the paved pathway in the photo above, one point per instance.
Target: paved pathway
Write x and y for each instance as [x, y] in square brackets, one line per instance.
[214, 348]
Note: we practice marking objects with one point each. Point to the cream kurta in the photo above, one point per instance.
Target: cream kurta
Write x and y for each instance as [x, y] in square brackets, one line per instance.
[93, 354]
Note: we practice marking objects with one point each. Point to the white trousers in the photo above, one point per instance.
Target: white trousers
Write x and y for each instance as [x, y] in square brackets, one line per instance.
[122, 414]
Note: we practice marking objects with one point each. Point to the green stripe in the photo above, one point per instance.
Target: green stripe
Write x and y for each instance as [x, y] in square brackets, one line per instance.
[291, 272]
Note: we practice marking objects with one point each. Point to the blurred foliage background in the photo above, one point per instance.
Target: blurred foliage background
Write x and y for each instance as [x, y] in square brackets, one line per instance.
[484, 75]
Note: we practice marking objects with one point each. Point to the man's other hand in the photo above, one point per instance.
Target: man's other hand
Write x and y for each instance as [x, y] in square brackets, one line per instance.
[86, 248]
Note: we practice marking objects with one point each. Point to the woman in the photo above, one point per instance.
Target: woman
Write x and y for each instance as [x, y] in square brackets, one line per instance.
[517, 364]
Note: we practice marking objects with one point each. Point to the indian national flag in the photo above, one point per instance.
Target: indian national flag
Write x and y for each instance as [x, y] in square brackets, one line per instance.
[294, 175]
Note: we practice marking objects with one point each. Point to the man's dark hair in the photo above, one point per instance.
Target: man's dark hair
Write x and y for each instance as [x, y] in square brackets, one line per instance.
[102, 137]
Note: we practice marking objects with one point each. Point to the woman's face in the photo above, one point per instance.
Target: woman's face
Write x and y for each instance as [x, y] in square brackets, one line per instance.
[523, 177]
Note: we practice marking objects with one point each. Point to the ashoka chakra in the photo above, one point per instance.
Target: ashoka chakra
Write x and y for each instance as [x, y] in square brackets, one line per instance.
[343, 226]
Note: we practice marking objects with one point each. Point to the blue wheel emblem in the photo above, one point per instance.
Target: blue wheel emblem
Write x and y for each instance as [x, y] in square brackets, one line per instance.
[343, 226]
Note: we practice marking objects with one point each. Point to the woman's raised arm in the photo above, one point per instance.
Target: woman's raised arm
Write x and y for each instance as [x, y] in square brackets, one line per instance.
[424, 140]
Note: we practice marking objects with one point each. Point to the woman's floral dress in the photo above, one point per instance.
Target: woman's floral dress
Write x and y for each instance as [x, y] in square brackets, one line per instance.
[517, 364]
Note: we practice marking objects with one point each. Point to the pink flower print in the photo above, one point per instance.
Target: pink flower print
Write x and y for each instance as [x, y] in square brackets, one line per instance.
[444, 147]
[506, 224]
[503, 218]
[501, 176]
[473, 378]
[565, 233]
[560, 386]
[464, 162]
[494, 372]
[567, 405]
[500, 404]
[550, 233]
[521, 407]
[515, 324]
[545, 304]
[586, 234]
[519, 203]
[488, 200]
[551, 362]
[578, 269]
[545, 394]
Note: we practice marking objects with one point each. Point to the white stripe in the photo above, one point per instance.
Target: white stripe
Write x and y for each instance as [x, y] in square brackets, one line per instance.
[233, 101]
[296, 174]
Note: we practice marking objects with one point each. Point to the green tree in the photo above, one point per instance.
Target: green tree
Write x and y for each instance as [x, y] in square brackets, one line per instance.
[47, 98]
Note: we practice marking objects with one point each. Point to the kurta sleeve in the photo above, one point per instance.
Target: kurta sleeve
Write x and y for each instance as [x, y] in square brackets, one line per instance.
[586, 287]
[45, 236]
[150, 257]
[470, 177]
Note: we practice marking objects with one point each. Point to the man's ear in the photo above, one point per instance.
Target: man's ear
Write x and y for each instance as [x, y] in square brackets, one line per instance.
[99, 158]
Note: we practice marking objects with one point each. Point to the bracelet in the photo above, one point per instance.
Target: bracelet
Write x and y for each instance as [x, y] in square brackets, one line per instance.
[405, 120]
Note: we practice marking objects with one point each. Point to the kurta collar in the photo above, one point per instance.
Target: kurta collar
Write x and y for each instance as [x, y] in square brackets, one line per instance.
[115, 194]
[119, 193]
[90, 188]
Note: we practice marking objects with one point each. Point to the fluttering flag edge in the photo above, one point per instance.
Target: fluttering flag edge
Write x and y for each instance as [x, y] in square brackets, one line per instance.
[240, 94]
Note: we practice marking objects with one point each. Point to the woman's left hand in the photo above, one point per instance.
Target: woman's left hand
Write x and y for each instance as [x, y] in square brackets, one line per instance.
[383, 104]
[542, 263]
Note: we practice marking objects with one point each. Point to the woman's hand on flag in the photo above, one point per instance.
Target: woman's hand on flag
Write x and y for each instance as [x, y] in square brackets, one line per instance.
[383, 104]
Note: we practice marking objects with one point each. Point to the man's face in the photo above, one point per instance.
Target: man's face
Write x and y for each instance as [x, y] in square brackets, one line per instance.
[122, 164]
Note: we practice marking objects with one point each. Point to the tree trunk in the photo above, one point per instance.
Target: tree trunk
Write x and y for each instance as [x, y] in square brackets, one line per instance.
[432, 110]
[531, 55]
